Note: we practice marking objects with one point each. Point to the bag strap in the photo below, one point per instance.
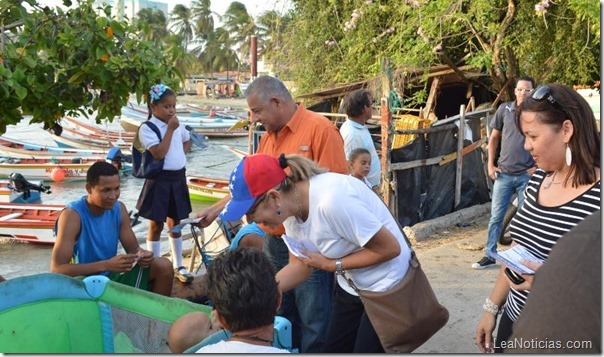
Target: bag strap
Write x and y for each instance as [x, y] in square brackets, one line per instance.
[154, 128]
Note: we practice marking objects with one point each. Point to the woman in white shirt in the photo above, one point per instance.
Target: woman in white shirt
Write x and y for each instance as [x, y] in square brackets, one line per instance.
[332, 222]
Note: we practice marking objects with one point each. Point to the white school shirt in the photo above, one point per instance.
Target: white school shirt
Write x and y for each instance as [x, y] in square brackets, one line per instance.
[356, 136]
[344, 215]
[175, 158]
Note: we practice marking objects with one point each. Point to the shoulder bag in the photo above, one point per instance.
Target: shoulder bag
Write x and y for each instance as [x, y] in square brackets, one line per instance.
[408, 314]
[144, 165]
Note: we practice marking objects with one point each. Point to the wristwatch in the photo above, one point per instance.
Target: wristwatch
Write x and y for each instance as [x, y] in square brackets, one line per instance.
[339, 269]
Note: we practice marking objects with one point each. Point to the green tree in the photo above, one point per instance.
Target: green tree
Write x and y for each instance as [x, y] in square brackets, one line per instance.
[241, 26]
[182, 22]
[271, 27]
[154, 24]
[69, 62]
[332, 42]
[204, 21]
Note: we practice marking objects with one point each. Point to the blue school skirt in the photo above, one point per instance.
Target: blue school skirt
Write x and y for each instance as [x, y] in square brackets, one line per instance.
[166, 195]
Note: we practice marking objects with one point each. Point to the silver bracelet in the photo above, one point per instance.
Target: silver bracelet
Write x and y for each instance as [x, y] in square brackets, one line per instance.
[490, 307]
[339, 269]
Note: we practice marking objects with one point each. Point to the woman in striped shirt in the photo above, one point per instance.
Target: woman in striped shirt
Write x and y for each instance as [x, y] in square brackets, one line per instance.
[561, 134]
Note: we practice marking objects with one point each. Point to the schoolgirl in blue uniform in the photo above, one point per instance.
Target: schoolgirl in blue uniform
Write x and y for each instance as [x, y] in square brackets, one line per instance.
[165, 198]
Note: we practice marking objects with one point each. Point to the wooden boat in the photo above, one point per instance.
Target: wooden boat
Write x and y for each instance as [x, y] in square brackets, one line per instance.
[87, 128]
[42, 169]
[21, 149]
[70, 141]
[132, 125]
[55, 313]
[101, 138]
[239, 153]
[207, 189]
[32, 223]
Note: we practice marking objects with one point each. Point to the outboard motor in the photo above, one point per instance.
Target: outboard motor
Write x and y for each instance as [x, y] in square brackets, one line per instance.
[116, 157]
[18, 183]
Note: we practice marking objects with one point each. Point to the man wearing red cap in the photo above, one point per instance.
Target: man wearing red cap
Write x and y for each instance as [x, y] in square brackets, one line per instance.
[292, 129]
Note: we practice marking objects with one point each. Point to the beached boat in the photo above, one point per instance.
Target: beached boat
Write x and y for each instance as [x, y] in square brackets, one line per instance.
[88, 128]
[207, 189]
[239, 153]
[20, 149]
[32, 223]
[54, 313]
[75, 142]
[47, 168]
[101, 138]
[132, 125]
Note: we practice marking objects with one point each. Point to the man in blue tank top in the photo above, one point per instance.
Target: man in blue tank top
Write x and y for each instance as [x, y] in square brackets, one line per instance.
[88, 232]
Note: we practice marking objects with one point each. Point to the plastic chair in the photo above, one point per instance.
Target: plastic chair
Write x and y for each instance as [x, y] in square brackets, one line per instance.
[282, 337]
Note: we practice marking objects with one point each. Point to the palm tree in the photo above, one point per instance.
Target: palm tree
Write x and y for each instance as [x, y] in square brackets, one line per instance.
[241, 27]
[155, 24]
[182, 22]
[202, 15]
[271, 26]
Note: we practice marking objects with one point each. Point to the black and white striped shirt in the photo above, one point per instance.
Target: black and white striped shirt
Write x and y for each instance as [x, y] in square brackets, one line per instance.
[538, 228]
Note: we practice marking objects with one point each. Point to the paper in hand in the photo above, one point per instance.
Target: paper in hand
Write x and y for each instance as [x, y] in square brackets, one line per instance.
[183, 223]
[513, 257]
[294, 246]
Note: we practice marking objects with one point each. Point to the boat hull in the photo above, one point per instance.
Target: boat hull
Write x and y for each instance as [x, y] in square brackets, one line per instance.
[207, 189]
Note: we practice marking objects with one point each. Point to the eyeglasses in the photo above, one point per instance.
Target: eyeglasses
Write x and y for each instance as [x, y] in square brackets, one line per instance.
[543, 93]
[525, 90]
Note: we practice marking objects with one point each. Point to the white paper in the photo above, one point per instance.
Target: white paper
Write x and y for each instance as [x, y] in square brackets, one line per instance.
[513, 257]
[294, 246]
[183, 223]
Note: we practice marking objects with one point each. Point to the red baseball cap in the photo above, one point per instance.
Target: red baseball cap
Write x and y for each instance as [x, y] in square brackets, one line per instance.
[254, 176]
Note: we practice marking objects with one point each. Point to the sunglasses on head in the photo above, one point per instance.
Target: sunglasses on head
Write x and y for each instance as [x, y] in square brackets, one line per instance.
[544, 93]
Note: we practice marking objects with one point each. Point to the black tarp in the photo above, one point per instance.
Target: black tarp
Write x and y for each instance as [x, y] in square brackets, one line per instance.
[429, 191]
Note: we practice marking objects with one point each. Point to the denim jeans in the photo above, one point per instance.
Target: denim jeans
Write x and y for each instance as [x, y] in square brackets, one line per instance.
[307, 306]
[504, 188]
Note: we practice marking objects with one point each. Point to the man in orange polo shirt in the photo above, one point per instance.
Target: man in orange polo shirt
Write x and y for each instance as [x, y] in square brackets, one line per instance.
[292, 129]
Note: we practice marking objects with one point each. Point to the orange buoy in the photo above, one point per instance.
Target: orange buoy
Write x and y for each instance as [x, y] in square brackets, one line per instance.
[57, 174]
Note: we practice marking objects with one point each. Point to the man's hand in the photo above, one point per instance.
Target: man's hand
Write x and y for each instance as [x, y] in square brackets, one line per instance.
[121, 263]
[144, 258]
[493, 171]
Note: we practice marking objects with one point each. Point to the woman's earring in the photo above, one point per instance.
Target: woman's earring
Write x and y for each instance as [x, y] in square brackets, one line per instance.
[279, 212]
[569, 156]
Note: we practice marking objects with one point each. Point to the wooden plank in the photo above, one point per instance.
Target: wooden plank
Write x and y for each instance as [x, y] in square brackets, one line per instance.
[440, 160]
[460, 140]
[430, 102]
[386, 118]
[452, 156]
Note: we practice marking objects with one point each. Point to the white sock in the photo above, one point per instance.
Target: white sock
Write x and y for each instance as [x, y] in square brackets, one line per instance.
[176, 249]
[155, 247]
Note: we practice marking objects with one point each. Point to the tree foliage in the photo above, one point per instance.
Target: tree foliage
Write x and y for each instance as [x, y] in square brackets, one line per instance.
[65, 62]
[333, 42]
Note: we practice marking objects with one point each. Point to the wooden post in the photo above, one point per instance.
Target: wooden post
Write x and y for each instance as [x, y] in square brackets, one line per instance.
[386, 117]
[460, 139]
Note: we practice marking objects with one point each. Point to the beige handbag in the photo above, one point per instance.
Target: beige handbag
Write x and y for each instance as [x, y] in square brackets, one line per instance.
[407, 315]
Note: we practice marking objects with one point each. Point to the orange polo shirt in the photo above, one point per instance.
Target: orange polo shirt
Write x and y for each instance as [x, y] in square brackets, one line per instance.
[309, 134]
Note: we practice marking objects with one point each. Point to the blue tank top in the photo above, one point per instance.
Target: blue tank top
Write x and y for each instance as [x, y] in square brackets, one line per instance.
[99, 235]
[251, 228]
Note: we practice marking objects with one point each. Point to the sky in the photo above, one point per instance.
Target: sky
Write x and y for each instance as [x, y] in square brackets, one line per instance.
[254, 7]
